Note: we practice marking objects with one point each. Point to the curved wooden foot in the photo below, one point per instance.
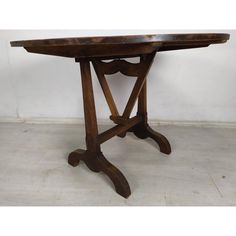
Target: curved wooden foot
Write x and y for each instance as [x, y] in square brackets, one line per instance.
[75, 157]
[97, 162]
[144, 131]
[118, 179]
[83, 155]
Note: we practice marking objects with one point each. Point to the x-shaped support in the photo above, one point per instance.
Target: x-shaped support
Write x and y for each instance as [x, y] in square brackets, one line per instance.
[138, 124]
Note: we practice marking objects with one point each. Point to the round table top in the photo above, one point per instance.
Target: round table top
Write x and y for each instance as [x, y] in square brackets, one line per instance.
[119, 45]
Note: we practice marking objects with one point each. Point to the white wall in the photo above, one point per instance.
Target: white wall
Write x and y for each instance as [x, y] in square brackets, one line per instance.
[184, 85]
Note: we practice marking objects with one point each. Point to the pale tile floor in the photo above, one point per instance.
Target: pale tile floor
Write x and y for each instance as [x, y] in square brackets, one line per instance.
[200, 171]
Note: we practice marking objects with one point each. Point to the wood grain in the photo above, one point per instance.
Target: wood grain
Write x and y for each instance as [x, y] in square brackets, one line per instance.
[118, 46]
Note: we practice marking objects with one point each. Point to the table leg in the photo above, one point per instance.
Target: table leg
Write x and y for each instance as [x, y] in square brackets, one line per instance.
[93, 156]
[143, 130]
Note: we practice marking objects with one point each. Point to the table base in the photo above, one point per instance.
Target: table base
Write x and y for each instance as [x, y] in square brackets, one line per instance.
[93, 157]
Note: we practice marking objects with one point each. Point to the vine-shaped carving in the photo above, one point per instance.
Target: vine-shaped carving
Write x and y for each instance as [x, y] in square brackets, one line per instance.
[122, 66]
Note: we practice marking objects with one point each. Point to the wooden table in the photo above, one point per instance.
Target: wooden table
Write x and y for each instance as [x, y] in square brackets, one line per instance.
[117, 48]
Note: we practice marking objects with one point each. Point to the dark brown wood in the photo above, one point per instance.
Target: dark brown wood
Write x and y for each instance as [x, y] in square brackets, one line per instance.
[128, 39]
[143, 130]
[96, 49]
[118, 46]
[93, 156]
[118, 129]
[122, 66]
[89, 107]
[146, 64]
[120, 120]
[105, 88]
[98, 163]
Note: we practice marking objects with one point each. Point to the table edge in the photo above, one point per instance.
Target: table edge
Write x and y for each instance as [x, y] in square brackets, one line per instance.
[125, 39]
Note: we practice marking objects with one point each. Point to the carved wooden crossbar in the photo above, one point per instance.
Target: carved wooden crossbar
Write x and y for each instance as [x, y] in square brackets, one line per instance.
[119, 65]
